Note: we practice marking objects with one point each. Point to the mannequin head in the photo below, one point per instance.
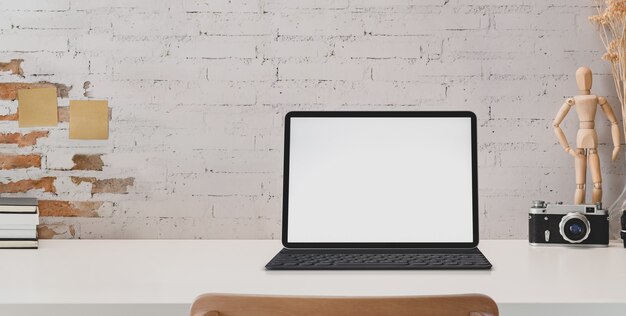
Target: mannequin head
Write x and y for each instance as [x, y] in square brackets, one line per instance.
[583, 80]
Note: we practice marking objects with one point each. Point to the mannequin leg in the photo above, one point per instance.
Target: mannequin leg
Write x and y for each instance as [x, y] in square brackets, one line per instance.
[594, 162]
[581, 172]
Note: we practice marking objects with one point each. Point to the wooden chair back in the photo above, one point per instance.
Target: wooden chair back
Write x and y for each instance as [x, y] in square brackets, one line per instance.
[251, 305]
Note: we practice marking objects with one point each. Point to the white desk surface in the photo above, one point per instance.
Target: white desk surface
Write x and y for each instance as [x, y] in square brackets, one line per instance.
[176, 271]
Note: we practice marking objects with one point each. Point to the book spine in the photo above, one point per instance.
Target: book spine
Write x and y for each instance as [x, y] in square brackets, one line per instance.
[19, 219]
[17, 212]
[18, 239]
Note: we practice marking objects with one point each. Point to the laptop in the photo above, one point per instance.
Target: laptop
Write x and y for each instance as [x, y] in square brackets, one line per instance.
[380, 190]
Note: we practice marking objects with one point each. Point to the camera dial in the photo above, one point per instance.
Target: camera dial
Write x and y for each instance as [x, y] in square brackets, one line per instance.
[574, 227]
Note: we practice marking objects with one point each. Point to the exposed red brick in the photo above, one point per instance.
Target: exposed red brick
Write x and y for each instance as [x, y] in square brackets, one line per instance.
[49, 231]
[69, 208]
[14, 66]
[45, 183]
[43, 232]
[79, 180]
[64, 114]
[22, 140]
[8, 90]
[106, 185]
[9, 117]
[87, 162]
[19, 161]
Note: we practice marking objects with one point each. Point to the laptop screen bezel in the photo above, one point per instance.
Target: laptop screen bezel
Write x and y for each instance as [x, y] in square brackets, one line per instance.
[375, 114]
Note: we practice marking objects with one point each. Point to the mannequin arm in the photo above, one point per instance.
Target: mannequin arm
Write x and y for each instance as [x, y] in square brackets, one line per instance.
[557, 122]
[606, 108]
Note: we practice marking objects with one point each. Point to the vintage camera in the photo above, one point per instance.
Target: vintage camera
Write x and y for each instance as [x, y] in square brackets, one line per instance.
[568, 224]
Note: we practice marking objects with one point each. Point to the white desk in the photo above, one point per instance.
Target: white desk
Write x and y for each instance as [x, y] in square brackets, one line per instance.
[162, 277]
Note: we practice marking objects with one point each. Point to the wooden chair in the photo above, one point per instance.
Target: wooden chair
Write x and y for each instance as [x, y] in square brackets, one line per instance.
[252, 305]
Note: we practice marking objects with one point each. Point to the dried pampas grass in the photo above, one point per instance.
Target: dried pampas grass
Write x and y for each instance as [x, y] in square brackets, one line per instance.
[611, 24]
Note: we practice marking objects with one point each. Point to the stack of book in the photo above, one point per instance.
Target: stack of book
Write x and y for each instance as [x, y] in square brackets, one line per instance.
[18, 223]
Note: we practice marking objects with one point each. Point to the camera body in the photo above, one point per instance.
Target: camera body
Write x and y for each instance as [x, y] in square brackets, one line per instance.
[577, 225]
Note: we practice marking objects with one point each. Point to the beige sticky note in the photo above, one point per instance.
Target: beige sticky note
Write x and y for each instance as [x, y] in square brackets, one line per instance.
[89, 119]
[37, 107]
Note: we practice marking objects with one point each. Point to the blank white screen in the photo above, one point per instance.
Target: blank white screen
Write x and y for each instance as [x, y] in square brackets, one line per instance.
[380, 180]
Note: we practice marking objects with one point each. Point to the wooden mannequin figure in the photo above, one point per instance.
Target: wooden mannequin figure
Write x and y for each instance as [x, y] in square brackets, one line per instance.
[586, 151]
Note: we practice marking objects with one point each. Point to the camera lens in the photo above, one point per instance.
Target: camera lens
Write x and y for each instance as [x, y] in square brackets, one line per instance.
[574, 227]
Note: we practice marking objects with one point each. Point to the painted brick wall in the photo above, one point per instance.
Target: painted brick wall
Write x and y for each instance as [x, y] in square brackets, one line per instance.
[198, 89]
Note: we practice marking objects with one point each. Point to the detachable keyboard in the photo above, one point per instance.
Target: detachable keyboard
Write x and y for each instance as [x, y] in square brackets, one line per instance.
[378, 259]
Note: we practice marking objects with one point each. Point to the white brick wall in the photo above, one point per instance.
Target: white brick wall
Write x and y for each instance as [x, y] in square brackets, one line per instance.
[198, 90]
